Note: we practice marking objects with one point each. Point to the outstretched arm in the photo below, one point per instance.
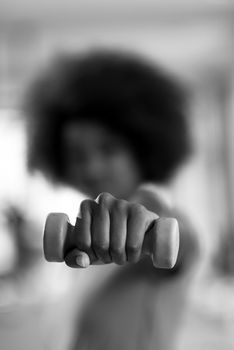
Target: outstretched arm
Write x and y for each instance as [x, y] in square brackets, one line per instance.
[115, 230]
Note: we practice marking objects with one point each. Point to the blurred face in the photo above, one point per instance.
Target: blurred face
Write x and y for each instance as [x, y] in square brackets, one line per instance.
[96, 161]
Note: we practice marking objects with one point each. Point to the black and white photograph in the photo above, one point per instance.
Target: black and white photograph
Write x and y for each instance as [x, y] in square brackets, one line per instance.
[117, 175]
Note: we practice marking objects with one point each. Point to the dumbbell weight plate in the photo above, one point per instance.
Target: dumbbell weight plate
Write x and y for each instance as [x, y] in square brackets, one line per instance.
[54, 236]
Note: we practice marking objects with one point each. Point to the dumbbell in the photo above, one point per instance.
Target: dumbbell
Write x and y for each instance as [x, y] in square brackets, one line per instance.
[161, 242]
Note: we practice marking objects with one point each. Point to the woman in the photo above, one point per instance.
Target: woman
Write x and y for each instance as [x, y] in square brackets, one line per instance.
[105, 123]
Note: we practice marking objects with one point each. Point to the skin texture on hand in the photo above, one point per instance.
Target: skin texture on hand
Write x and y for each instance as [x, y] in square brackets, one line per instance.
[112, 230]
[109, 230]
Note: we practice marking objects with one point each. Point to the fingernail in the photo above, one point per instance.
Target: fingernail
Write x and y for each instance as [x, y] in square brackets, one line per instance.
[82, 260]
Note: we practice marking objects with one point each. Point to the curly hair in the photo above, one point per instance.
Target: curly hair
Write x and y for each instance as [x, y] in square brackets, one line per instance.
[122, 92]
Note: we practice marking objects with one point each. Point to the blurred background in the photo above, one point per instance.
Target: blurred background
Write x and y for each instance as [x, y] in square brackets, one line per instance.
[194, 41]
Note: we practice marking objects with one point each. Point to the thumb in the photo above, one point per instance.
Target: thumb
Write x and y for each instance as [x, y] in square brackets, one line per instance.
[77, 259]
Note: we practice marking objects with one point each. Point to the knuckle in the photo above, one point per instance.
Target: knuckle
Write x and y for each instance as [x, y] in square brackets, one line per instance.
[100, 246]
[137, 209]
[118, 255]
[117, 251]
[133, 248]
[104, 199]
[85, 205]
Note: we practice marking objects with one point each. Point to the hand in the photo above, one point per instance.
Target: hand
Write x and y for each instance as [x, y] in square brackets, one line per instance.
[109, 230]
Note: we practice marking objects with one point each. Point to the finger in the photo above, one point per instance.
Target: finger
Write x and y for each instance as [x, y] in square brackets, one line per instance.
[118, 232]
[82, 229]
[136, 228]
[101, 228]
[77, 259]
[105, 199]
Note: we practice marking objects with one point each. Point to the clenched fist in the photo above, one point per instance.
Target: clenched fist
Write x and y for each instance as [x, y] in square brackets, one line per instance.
[112, 230]
[109, 230]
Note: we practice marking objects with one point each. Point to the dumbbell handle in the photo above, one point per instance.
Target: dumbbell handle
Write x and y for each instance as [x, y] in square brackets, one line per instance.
[161, 242]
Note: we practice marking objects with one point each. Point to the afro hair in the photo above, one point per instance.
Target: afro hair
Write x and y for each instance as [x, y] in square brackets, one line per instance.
[122, 92]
